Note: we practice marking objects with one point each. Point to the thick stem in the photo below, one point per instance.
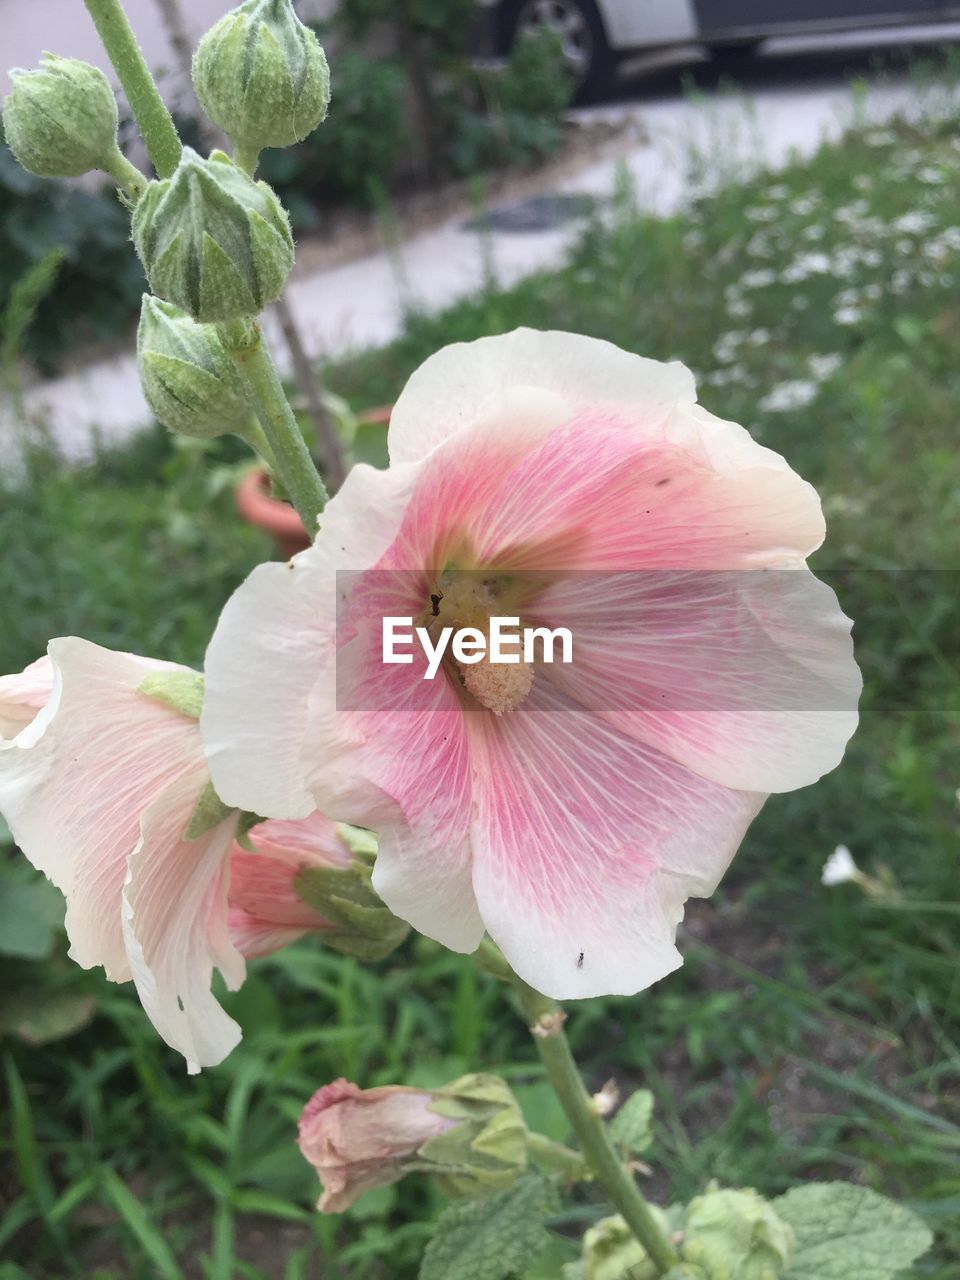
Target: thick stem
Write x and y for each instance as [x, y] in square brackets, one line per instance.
[555, 1156]
[294, 466]
[546, 1024]
[247, 158]
[149, 110]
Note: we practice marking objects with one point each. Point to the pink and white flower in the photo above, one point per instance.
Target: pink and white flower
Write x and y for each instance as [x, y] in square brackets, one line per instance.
[99, 783]
[569, 811]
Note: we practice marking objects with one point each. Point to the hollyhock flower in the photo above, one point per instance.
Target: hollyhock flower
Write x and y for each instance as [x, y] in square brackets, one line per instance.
[569, 810]
[469, 1135]
[22, 695]
[99, 791]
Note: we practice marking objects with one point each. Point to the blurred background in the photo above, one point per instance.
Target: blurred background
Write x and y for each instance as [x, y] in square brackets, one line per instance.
[776, 203]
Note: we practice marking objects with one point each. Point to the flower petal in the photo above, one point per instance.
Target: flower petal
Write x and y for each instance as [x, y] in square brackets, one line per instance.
[77, 779]
[587, 844]
[175, 925]
[22, 695]
[748, 678]
[467, 380]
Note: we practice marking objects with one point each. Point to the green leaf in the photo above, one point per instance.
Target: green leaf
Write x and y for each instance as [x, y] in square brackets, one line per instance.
[45, 1015]
[210, 811]
[632, 1127]
[138, 1222]
[31, 913]
[845, 1231]
[490, 1239]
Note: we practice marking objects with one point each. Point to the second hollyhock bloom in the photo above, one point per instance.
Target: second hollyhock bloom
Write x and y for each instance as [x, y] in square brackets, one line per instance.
[106, 791]
[569, 810]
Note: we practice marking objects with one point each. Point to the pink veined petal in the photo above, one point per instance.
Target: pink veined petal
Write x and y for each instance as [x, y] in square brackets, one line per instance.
[254, 937]
[465, 381]
[314, 840]
[587, 844]
[643, 503]
[22, 695]
[748, 678]
[175, 925]
[77, 779]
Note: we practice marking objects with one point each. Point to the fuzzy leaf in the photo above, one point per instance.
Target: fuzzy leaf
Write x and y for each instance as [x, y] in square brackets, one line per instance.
[632, 1127]
[490, 1239]
[845, 1231]
[181, 690]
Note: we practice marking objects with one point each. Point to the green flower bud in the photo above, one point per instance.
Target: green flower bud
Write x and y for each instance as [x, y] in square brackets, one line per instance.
[612, 1252]
[189, 380]
[485, 1148]
[736, 1235]
[262, 76]
[361, 925]
[212, 241]
[61, 119]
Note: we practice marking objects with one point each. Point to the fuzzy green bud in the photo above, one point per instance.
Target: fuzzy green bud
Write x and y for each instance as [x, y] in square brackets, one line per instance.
[262, 76]
[60, 120]
[485, 1148]
[612, 1252]
[190, 382]
[212, 241]
[736, 1235]
[360, 924]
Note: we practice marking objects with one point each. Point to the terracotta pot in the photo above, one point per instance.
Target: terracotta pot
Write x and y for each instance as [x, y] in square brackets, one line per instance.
[257, 507]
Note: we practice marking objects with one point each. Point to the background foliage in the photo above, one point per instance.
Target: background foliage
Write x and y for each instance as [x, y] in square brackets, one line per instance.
[811, 1034]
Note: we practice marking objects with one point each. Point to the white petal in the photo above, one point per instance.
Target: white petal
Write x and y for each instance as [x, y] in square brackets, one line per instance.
[466, 381]
[175, 926]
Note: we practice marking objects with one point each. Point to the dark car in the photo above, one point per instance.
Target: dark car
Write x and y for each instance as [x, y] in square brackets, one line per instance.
[596, 34]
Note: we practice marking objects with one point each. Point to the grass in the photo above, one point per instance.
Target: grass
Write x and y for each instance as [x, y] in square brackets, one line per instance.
[811, 1033]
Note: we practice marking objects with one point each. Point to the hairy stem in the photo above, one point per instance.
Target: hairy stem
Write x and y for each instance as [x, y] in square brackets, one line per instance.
[149, 110]
[546, 1025]
[126, 175]
[294, 467]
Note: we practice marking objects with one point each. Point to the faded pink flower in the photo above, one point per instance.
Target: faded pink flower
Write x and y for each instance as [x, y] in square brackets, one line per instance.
[22, 695]
[358, 1139]
[567, 810]
[99, 790]
[266, 912]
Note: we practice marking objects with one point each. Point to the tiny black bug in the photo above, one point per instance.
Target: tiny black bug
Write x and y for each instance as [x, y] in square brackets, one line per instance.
[580, 960]
[435, 599]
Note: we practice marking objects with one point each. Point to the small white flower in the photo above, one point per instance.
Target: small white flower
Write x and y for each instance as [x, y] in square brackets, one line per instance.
[847, 315]
[915, 224]
[840, 867]
[757, 279]
[804, 205]
[823, 367]
[778, 192]
[814, 232]
[788, 396]
[930, 174]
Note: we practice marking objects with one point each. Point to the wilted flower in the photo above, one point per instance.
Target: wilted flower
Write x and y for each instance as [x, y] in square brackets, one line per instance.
[469, 1135]
[60, 120]
[840, 867]
[262, 76]
[212, 241]
[568, 810]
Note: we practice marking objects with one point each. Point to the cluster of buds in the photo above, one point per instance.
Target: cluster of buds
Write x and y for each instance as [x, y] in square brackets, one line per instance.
[215, 244]
[468, 1135]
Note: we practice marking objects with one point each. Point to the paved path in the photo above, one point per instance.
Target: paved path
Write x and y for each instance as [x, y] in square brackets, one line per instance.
[791, 98]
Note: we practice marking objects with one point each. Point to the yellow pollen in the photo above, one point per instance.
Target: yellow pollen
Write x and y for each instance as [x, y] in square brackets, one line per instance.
[497, 686]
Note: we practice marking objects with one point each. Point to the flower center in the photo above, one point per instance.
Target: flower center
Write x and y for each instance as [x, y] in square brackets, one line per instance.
[471, 599]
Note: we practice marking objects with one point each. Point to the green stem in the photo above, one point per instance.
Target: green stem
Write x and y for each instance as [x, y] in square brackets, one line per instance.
[246, 158]
[555, 1156]
[293, 465]
[125, 175]
[546, 1024]
[149, 110]
[253, 434]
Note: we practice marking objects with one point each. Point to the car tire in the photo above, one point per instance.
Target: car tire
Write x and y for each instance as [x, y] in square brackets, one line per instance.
[592, 63]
